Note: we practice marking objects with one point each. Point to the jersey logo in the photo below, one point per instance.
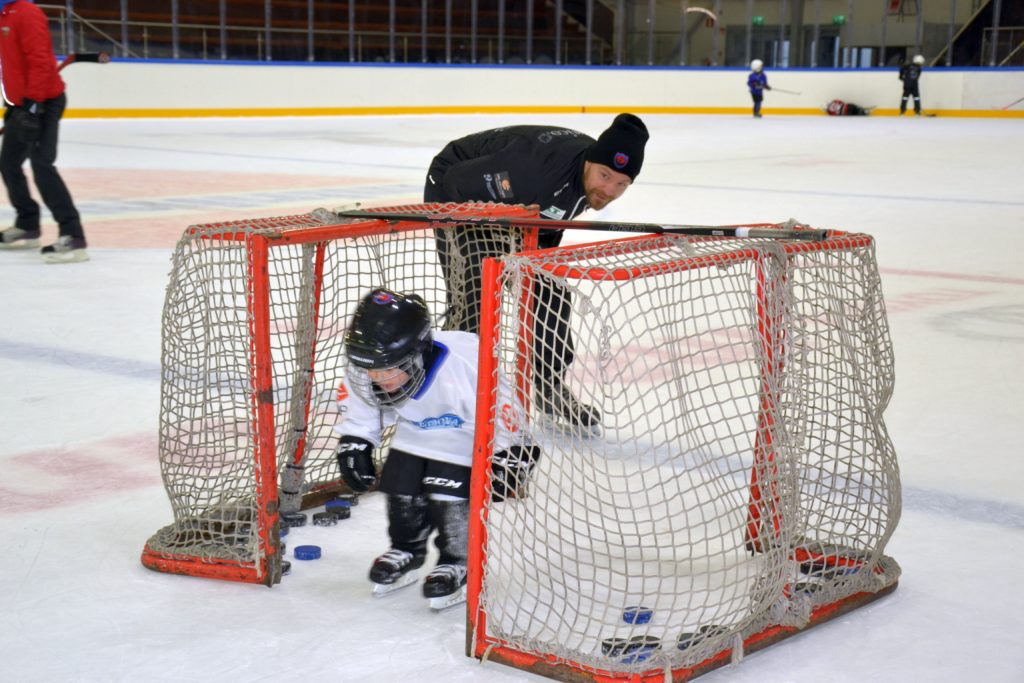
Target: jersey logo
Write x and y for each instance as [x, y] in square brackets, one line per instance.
[553, 212]
[446, 421]
[509, 417]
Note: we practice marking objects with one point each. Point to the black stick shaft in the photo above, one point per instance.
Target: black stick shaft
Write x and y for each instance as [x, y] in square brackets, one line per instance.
[441, 219]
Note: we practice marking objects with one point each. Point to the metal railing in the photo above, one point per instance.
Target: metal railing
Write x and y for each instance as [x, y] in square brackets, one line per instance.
[634, 32]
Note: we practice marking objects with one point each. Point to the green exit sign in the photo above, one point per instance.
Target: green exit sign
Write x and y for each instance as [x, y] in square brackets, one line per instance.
[758, 21]
[839, 19]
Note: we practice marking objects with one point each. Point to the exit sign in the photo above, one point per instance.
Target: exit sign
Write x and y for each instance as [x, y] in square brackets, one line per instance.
[839, 19]
[758, 21]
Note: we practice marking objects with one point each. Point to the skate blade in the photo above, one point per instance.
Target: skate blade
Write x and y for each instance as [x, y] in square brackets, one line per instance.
[382, 589]
[446, 601]
[560, 427]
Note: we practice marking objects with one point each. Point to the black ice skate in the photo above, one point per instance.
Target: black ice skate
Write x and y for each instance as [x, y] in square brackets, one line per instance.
[557, 402]
[445, 586]
[393, 570]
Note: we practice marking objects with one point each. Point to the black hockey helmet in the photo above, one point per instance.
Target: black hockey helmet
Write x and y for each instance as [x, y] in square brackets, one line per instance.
[388, 330]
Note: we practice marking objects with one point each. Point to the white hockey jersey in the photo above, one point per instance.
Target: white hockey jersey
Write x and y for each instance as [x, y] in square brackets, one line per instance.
[438, 422]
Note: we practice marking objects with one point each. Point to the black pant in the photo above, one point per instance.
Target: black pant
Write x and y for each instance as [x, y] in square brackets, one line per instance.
[42, 154]
[911, 90]
[552, 338]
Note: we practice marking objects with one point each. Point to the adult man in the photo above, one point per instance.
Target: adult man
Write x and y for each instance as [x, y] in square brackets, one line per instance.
[402, 374]
[34, 95]
[910, 74]
[563, 172]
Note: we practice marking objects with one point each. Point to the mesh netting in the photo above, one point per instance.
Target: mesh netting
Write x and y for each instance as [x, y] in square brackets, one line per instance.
[741, 474]
[252, 357]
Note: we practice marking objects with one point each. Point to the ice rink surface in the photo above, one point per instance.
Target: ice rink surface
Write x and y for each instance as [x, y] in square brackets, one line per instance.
[80, 489]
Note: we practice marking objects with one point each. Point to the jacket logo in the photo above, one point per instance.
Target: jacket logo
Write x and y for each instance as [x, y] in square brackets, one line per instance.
[446, 421]
[553, 212]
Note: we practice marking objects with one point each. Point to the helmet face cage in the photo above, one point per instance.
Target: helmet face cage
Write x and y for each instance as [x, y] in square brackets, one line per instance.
[375, 394]
[387, 336]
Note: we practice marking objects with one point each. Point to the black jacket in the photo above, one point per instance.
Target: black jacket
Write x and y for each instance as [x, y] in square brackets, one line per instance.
[909, 73]
[540, 165]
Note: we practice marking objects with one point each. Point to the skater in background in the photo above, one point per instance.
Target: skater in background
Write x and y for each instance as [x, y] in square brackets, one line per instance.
[562, 171]
[840, 108]
[34, 98]
[757, 82]
[424, 384]
[910, 74]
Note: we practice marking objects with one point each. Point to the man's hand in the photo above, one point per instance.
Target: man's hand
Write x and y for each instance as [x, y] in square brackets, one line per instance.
[26, 121]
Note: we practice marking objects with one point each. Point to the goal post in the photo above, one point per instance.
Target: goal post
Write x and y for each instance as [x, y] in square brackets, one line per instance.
[743, 487]
[252, 359]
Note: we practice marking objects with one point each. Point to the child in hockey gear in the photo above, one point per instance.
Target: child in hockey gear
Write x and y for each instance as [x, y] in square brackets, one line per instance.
[423, 383]
[910, 74]
[840, 108]
[757, 83]
[562, 171]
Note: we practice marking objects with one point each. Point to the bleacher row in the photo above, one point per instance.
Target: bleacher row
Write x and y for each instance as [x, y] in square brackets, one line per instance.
[149, 24]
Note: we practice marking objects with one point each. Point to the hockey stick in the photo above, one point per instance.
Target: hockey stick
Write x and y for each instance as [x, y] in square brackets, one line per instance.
[442, 219]
[1011, 104]
[787, 92]
[99, 57]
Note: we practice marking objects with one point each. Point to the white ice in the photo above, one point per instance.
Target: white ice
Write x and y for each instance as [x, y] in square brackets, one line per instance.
[80, 489]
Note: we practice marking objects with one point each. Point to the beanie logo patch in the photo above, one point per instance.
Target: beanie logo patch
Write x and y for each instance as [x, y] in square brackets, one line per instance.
[620, 160]
[383, 298]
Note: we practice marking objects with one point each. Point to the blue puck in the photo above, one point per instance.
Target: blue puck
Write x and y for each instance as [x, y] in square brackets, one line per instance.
[342, 508]
[283, 531]
[351, 498]
[637, 614]
[307, 552]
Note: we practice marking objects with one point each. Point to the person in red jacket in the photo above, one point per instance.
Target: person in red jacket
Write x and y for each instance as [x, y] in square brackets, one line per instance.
[34, 98]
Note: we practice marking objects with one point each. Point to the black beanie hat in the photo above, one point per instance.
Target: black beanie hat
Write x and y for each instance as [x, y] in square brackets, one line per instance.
[621, 147]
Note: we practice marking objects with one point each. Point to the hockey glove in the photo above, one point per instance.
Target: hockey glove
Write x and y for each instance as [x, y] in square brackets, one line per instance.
[355, 458]
[511, 471]
[26, 121]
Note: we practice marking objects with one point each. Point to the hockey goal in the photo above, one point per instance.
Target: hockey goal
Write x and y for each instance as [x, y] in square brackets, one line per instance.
[744, 486]
[252, 357]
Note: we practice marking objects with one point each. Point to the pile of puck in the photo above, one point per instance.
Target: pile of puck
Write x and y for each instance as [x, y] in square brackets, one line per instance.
[636, 649]
[334, 511]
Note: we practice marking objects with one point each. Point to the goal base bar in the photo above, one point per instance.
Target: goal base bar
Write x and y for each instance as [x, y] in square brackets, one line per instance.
[753, 643]
[191, 566]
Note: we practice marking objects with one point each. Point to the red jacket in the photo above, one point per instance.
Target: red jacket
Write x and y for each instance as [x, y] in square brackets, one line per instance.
[28, 67]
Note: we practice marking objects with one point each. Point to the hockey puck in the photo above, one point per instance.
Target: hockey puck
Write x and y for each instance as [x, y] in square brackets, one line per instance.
[283, 531]
[351, 498]
[307, 552]
[293, 518]
[286, 567]
[325, 519]
[685, 640]
[636, 614]
[630, 650]
[341, 508]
